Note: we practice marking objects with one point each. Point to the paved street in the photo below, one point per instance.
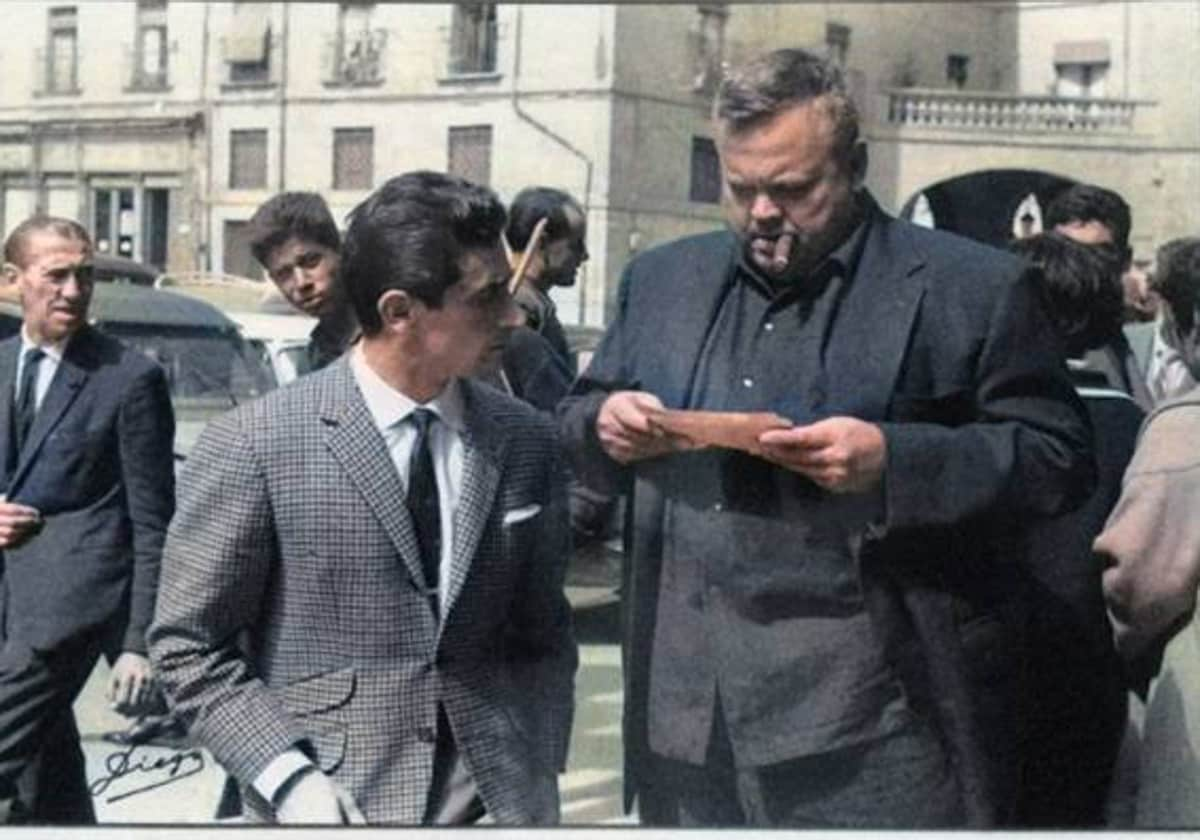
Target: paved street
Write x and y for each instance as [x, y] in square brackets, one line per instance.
[164, 785]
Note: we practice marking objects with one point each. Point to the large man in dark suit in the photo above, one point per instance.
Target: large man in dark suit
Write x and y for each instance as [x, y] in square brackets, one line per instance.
[825, 632]
[392, 539]
[89, 489]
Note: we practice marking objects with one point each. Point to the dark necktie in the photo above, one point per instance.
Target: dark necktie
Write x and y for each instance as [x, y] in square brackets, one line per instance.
[26, 407]
[423, 498]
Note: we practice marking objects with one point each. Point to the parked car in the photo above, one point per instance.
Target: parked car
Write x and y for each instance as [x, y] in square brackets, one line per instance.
[268, 322]
[110, 269]
[210, 367]
[281, 338]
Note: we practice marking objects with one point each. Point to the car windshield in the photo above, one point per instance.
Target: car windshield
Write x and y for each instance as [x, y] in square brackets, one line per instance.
[205, 367]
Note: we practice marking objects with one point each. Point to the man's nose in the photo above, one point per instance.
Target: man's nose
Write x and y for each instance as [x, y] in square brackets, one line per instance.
[763, 207]
[74, 288]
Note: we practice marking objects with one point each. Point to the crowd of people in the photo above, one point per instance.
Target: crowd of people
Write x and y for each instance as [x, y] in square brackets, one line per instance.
[945, 534]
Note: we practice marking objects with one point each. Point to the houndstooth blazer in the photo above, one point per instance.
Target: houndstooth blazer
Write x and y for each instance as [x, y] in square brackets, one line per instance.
[292, 533]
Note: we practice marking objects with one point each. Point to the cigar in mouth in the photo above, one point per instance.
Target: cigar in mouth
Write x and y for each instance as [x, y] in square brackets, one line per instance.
[783, 250]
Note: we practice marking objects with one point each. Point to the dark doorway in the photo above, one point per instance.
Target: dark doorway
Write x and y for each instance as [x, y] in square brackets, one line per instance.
[983, 205]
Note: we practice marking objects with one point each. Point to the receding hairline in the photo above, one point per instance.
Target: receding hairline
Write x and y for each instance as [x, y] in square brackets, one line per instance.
[16, 247]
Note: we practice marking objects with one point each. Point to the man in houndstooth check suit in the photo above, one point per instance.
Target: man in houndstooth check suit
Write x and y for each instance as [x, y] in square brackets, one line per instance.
[368, 689]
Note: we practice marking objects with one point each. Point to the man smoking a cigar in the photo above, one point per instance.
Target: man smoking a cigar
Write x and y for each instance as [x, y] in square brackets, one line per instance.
[824, 634]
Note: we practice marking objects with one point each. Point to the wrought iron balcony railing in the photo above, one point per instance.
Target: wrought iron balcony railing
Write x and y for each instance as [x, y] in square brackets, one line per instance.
[355, 59]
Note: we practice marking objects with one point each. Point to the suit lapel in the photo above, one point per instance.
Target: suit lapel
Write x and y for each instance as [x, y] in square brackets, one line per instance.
[483, 453]
[874, 322]
[68, 380]
[356, 443]
[704, 278]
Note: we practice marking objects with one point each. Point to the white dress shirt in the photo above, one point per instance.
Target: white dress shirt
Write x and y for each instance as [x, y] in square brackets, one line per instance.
[47, 367]
[390, 410]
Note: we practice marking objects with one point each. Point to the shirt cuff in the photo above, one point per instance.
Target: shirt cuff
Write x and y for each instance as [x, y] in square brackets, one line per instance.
[279, 772]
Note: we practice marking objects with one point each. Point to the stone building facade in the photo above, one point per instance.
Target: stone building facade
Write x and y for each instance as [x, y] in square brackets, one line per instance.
[162, 123]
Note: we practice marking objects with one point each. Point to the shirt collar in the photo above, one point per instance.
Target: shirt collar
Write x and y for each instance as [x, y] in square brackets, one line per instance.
[389, 407]
[55, 351]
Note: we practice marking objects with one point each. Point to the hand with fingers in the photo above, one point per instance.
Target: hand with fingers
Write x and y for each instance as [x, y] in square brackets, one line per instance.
[131, 685]
[627, 431]
[840, 454]
[17, 523]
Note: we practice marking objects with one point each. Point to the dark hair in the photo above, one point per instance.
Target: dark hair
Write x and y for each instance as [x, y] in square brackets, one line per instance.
[410, 234]
[537, 203]
[1177, 279]
[532, 204]
[14, 246]
[304, 215]
[1090, 203]
[771, 83]
[1081, 286]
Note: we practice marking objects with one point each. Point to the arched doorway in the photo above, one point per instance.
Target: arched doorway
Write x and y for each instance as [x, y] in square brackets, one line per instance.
[991, 206]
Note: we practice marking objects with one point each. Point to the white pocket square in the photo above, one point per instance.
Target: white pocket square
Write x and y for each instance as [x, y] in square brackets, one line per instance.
[512, 517]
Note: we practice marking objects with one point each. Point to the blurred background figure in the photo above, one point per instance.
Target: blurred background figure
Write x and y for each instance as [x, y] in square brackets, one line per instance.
[1151, 545]
[556, 261]
[1097, 216]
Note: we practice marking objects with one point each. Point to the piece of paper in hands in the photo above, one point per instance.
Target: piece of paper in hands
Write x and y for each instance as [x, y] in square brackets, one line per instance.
[725, 429]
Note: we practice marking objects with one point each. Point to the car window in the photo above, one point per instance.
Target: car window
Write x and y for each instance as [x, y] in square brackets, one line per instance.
[202, 365]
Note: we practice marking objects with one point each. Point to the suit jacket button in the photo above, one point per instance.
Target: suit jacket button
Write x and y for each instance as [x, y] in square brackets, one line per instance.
[426, 735]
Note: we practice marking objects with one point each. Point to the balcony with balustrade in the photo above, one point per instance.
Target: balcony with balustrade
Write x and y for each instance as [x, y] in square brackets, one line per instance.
[991, 115]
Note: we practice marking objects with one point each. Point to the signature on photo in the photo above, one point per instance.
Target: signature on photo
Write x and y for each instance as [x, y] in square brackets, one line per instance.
[157, 771]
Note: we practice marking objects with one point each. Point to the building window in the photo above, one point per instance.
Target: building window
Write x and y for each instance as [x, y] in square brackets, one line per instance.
[357, 50]
[956, 70]
[248, 159]
[837, 43]
[248, 44]
[473, 39]
[149, 70]
[1081, 68]
[353, 158]
[469, 153]
[61, 61]
[706, 172]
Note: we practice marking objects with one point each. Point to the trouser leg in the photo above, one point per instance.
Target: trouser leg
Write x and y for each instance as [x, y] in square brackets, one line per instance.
[36, 690]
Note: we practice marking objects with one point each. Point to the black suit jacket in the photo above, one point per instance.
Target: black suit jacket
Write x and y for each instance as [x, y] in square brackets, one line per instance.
[942, 342]
[98, 465]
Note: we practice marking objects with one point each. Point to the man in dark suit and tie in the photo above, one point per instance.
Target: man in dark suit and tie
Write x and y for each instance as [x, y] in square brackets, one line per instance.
[391, 537]
[89, 489]
[823, 625]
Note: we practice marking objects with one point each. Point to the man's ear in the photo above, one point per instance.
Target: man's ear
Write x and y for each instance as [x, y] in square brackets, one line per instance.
[395, 308]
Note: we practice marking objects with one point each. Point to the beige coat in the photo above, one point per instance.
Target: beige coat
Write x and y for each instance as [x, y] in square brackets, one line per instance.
[1151, 542]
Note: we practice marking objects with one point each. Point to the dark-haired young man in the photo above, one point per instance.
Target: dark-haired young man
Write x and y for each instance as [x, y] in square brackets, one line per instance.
[392, 538]
[822, 627]
[563, 250]
[1076, 696]
[294, 237]
[1099, 217]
